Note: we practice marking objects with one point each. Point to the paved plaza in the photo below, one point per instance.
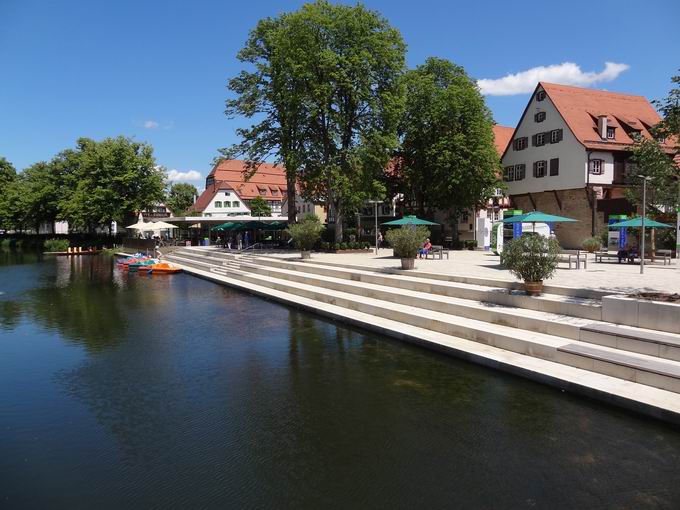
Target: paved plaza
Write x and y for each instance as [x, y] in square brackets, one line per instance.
[607, 276]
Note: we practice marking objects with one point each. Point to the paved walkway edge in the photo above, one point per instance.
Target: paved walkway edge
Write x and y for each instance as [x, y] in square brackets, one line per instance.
[656, 403]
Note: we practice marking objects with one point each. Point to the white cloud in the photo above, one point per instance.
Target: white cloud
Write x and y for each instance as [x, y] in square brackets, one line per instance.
[566, 73]
[189, 175]
[150, 124]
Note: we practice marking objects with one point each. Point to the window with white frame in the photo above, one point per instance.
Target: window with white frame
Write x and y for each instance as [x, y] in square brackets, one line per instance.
[509, 174]
[235, 204]
[520, 172]
[539, 139]
[539, 117]
[540, 96]
[218, 204]
[556, 136]
[596, 166]
[611, 133]
[227, 203]
[521, 143]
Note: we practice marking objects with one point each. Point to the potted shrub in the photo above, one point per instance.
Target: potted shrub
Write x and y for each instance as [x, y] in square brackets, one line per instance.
[532, 259]
[406, 241]
[305, 234]
[592, 244]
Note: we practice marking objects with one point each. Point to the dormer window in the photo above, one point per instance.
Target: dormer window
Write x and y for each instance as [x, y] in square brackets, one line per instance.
[539, 117]
[611, 133]
[540, 95]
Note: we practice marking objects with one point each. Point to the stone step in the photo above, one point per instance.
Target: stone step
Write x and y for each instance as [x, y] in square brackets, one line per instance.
[552, 303]
[642, 398]
[637, 339]
[505, 337]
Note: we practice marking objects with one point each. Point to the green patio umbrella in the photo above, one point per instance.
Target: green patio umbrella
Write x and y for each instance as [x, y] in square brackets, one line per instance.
[637, 222]
[537, 217]
[409, 220]
[229, 225]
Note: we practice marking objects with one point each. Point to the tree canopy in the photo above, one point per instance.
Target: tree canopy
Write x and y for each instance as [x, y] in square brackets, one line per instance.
[326, 92]
[92, 185]
[447, 160]
[180, 198]
[260, 207]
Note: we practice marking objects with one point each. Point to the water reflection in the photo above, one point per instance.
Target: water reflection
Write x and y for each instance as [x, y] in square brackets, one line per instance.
[174, 392]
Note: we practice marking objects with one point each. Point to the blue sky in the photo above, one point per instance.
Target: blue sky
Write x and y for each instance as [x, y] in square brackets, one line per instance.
[158, 70]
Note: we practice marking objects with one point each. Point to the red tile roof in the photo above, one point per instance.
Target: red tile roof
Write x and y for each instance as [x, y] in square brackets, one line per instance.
[502, 136]
[580, 108]
[269, 182]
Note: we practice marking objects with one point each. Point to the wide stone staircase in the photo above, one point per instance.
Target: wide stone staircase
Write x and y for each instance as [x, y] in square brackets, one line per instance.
[558, 338]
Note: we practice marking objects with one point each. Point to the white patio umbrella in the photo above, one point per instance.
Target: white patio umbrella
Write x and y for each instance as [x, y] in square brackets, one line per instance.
[162, 225]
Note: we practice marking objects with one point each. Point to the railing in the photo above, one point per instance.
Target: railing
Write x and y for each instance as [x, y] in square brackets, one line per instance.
[252, 247]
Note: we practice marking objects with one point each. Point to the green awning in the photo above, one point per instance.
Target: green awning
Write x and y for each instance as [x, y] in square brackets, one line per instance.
[637, 222]
[537, 217]
[409, 220]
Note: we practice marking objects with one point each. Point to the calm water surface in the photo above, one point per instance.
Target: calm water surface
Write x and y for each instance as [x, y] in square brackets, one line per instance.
[130, 391]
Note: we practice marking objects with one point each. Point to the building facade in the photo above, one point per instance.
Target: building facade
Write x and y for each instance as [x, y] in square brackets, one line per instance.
[569, 156]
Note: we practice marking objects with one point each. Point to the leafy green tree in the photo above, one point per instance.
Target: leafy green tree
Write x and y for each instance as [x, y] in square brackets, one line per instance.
[352, 61]
[669, 107]
[8, 177]
[180, 198]
[326, 91]
[260, 207]
[447, 160]
[272, 92]
[41, 186]
[109, 180]
[652, 160]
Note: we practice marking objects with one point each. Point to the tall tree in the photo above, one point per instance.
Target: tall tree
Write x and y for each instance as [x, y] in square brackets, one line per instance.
[180, 197]
[271, 91]
[352, 62]
[110, 180]
[8, 177]
[669, 107]
[447, 160]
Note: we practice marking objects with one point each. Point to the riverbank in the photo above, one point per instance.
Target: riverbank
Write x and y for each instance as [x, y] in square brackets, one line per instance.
[542, 345]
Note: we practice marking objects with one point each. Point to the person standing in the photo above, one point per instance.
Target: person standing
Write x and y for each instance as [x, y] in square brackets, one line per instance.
[380, 240]
[239, 242]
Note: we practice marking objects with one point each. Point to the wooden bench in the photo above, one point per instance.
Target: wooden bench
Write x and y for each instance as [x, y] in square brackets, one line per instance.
[437, 251]
[574, 256]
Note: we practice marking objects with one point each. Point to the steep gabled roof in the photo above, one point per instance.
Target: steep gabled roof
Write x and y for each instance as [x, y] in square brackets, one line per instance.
[501, 137]
[269, 181]
[581, 107]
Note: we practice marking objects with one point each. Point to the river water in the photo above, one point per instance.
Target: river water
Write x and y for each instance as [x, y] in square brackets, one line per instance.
[133, 391]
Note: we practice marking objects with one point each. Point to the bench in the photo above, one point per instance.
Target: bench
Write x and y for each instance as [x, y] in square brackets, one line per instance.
[437, 251]
[665, 255]
[574, 256]
[600, 256]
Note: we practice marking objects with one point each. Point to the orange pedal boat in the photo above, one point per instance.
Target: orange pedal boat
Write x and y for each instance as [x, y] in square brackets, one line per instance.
[162, 268]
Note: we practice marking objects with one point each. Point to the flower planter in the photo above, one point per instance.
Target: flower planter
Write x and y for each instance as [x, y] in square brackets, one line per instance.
[533, 288]
[408, 263]
[306, 254]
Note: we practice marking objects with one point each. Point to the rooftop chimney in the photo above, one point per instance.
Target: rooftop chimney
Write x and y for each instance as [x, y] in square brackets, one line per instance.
[602, 126]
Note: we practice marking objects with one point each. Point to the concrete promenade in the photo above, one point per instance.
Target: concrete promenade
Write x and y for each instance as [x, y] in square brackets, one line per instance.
[605, 277]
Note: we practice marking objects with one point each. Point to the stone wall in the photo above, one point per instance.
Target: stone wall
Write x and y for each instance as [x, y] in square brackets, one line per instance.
[574, 205]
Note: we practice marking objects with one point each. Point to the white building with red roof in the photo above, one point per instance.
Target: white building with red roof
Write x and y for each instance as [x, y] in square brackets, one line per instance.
[228, 194]
[569, 155]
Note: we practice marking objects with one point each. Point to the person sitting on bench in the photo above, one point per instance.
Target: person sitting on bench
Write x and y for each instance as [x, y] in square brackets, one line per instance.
[427, 246]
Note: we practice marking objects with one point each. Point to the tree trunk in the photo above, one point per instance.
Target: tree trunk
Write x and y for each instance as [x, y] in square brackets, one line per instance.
[290, 194]
[338, 223]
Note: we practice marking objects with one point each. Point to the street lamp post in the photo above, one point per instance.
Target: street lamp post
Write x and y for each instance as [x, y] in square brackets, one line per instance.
[375, 204]
[642, 221]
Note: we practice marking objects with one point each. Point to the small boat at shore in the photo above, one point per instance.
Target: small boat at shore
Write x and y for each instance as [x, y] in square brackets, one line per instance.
[162, 268]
